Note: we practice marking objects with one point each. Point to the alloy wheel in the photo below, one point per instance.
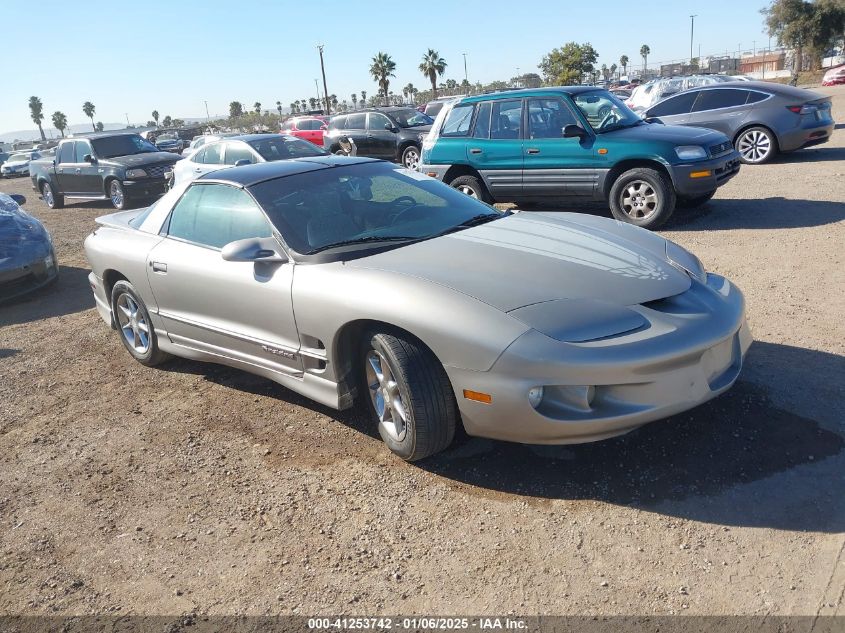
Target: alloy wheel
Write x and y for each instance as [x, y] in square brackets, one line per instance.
[47, 194]
[132, 323]
[116, 194]
[412, 159]
[472, 193]
[386, 397]
[755, 146]
[639, 200]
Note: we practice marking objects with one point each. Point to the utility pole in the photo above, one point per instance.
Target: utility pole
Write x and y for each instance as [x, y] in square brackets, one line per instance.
[207, 116]
[317, 88]
[466, 78]
[691, 32]
[323, 70]
[126, 114]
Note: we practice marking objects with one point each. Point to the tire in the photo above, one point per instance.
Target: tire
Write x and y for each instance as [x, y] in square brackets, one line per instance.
[694, 203]
[423, 421]
[411, 157]
[756, 145]
[51, 199]
[115, 192]
[143, 347]
[471, 186]
[643, 197]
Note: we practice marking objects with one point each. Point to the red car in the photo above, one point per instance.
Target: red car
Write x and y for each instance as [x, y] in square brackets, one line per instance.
[308, 128]
[835, 76]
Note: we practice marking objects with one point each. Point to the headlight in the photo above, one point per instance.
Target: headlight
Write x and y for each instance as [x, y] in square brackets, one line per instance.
[690, 152]
[684, 260]
[136, 173]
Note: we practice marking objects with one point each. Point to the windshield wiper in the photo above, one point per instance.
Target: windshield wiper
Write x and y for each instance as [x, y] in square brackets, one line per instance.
[482, 218]
[361, 240]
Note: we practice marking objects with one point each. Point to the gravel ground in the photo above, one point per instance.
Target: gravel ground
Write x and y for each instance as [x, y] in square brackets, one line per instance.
[197, 488]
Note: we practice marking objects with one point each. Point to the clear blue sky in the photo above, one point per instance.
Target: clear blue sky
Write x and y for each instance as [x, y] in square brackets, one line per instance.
[171, 55]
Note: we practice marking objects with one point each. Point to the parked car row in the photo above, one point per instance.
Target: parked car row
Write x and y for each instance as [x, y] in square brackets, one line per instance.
[17, 163]
[27, 257]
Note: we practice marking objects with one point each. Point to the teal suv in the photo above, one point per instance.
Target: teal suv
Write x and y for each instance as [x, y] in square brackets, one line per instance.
[546, 144]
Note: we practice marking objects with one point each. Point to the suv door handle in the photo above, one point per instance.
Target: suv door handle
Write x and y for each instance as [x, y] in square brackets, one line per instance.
[532, 150]
[474, 150]
[197, 170]
[159, 267]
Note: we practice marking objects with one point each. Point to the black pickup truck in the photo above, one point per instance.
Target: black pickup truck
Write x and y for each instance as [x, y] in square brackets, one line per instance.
[120, 167]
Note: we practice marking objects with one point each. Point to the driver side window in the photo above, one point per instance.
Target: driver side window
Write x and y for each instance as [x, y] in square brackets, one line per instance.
[376, 121]
[213, 215]
[548, 117]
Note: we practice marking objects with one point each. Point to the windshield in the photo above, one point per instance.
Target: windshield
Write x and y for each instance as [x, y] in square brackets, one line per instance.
[604, 111]
[411, 118]
[124, 145]
[279, 148]
[166, 137]
[19, 158]
[365, 203]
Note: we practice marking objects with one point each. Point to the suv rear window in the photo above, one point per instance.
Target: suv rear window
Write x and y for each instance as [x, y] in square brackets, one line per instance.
[458, 121]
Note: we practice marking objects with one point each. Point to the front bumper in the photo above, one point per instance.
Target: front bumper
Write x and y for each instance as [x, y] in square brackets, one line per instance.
[681, 360]
[144, 188]
[20, 171]
[24, 278]
[435, 171]
[689, 181]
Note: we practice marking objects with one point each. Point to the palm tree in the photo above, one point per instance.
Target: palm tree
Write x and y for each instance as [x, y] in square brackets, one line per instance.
[644, 51]
[36, 111]
[257, 107]
[431, 66]
[604, 71]
[333, 99]
[236, 109]
[313, 103]
[60, 122]
[279, 108]
[99, 126]
[89, 109]
[354, 101]
[613, 68]
[364, 97]
[155, 117]
[623, 61]
[381, 69]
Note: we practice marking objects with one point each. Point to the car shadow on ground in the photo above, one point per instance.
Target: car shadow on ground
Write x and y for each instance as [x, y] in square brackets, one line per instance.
[809, 155]
[758, 213]
[69, 294]
[737, 460]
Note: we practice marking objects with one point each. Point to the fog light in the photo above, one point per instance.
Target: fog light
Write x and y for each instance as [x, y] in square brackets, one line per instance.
[535, 396]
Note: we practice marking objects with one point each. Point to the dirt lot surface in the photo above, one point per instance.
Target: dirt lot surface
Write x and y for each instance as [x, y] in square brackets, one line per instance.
[197, 488]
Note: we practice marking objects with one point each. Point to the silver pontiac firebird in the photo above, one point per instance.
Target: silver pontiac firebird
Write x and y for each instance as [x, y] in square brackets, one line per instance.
[345, 278]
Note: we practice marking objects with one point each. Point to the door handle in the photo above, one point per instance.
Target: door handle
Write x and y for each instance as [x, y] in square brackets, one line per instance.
[159, 267]
[197, 170]
[474, 150]
[532, 150]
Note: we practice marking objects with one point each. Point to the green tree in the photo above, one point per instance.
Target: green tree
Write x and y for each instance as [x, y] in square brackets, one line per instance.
[60, 122]
[644, 51]
[177, 122]
[155, 117]
[99, 126]
[333, 101]
[605, 73]
[354, 101]
[381, 69]
[313, 103]
[279, 108]
[36, 111]
[623, 61]
[805, 27]
[431, 66]
[167, 121]
[613, 68]
[256, 107]
[364, 97]
[294, 107]
[236, 109]
[89, 110]
[527, 80]
[568, 64]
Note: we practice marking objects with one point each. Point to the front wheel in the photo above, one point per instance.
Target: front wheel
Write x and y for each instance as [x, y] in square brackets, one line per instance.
[471, 186]
[117, 195]
[133, 322]
[643, 197]
[411, 157]
[409, 394]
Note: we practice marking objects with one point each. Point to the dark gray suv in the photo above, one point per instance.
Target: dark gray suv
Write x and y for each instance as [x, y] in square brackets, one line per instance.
[761, 118]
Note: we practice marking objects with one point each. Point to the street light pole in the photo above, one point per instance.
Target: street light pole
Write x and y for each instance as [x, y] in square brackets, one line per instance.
[466, 78]
[691, 32]
[323, 70]
[126, 114]
[207, 116]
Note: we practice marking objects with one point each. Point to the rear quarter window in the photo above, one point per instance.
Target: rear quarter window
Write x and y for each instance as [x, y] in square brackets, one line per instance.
[458, 121]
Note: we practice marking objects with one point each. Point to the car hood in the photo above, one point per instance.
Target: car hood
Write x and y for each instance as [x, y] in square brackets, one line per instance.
[21, 235]
[527, 259]
[139, 160]
[678, 134]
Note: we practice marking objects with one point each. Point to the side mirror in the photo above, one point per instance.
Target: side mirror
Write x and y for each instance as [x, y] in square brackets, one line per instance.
[89, 159]
[390, 127]
[254, 249]
[242, 162]
[652, 119]
[574, 131]
[21, 200]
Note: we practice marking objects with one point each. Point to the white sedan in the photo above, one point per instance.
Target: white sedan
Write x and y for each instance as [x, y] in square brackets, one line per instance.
[240, 150]
[18, 164]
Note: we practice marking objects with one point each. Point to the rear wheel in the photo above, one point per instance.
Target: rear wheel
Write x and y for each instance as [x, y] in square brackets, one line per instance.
[409, 394]
[643, 197]
[51, 199]
[471, 186]
[756, 145]
[133, 322]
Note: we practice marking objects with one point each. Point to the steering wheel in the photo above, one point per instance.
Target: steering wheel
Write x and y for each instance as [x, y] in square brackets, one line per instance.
[399, 211]
[611, 117]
